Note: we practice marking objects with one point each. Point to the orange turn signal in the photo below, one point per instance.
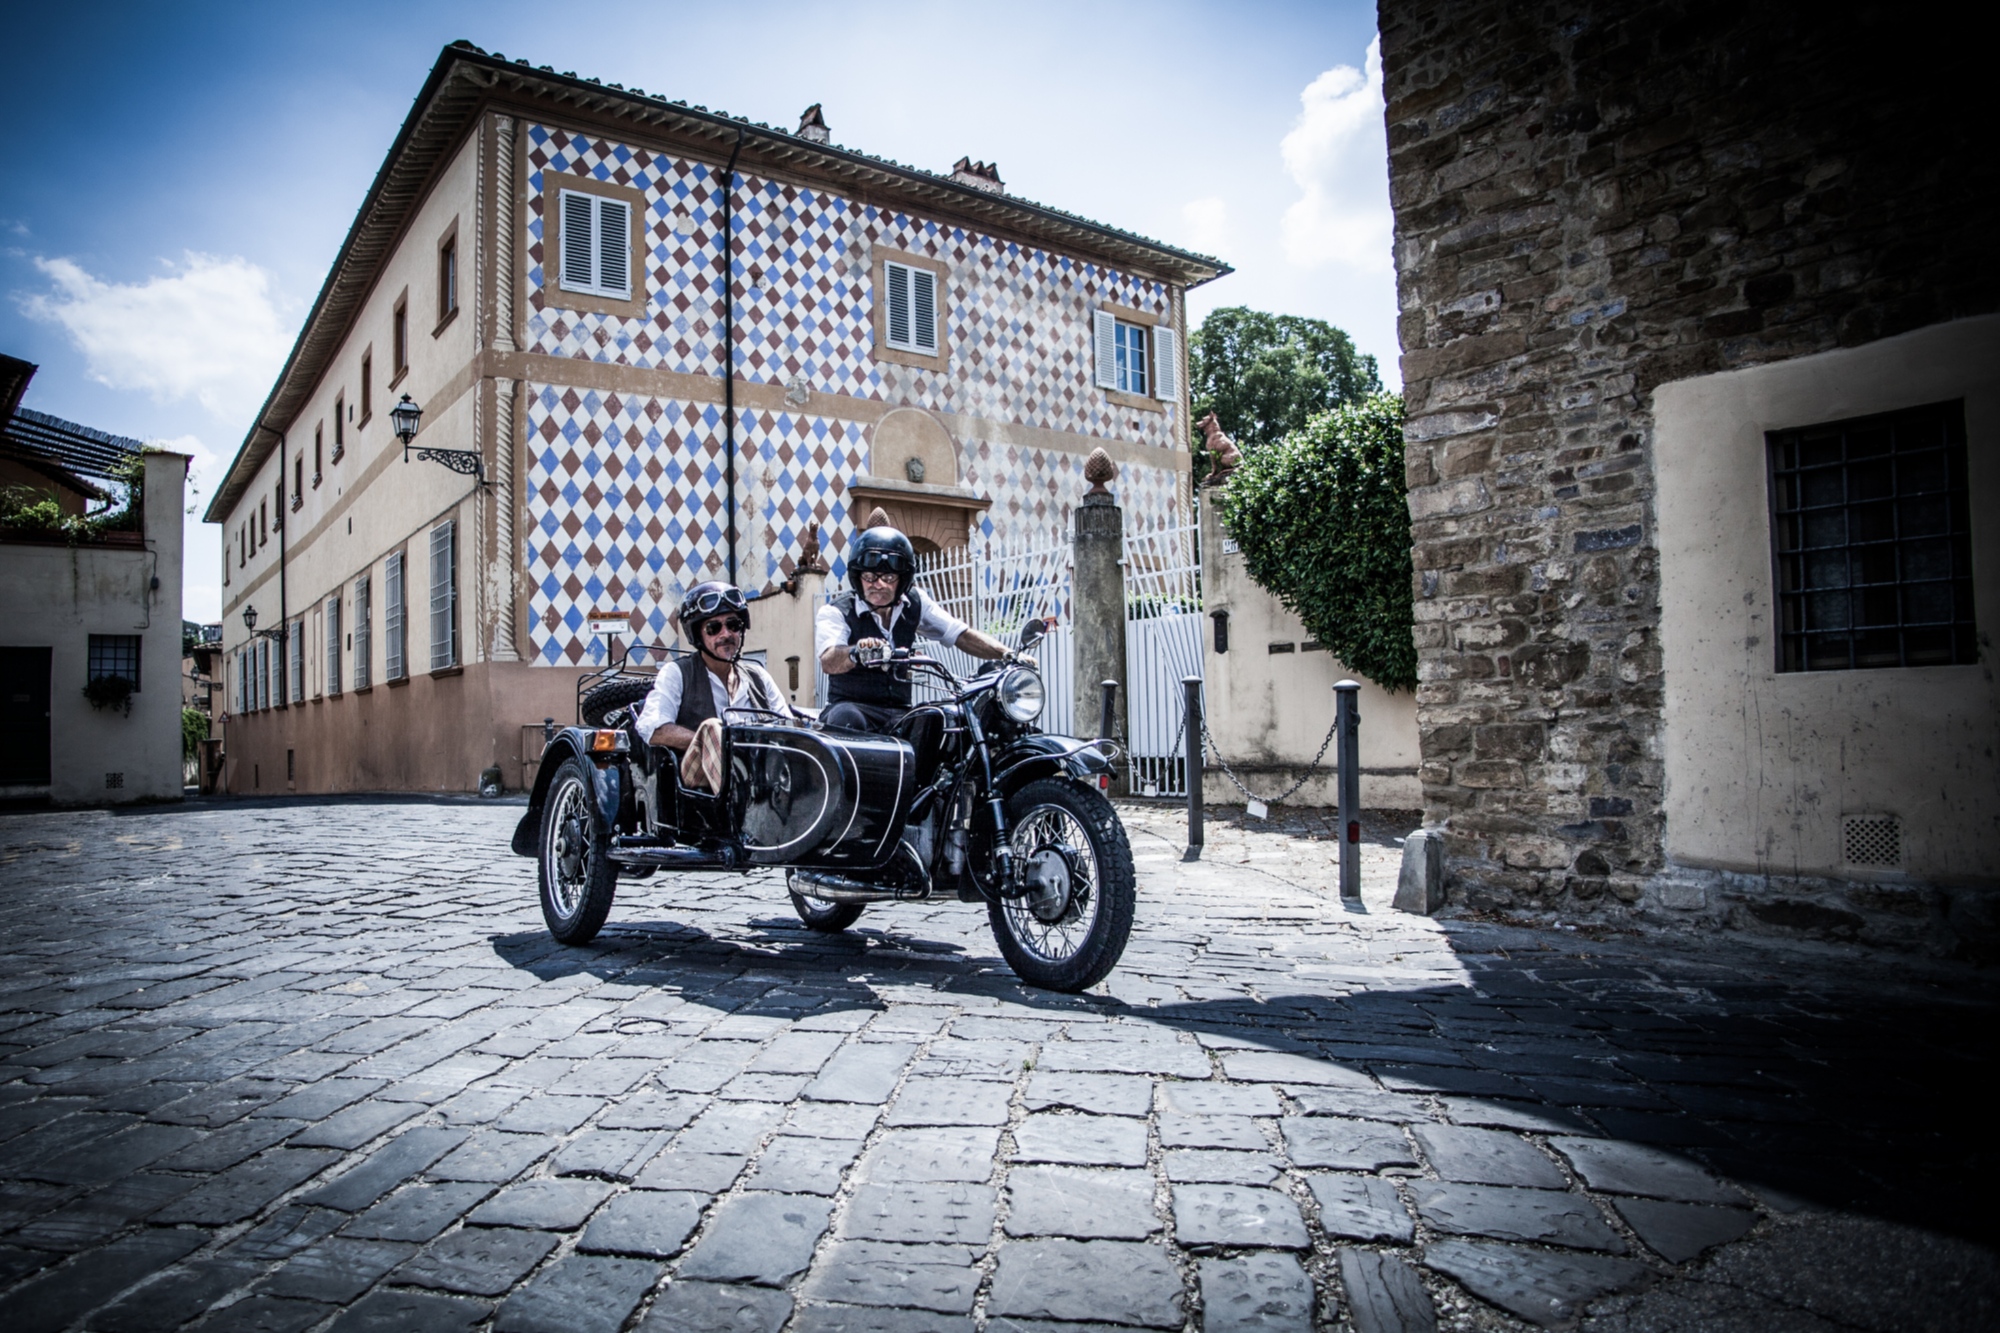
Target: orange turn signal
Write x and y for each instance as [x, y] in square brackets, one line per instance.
[601, 741]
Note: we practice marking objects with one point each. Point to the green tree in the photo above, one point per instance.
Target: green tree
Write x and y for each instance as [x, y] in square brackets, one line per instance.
[1264, 376]
[194, 730]
[1322, 523]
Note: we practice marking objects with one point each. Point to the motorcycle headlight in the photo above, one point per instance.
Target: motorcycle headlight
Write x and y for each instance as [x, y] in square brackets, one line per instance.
[1020, 694]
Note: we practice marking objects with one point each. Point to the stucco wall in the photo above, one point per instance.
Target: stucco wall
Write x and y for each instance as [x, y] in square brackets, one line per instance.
[1761, 765]
[58, 596]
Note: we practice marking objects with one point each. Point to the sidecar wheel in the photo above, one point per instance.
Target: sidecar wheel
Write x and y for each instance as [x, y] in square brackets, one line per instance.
[825, 917]
[1070, 932]
[577, 874]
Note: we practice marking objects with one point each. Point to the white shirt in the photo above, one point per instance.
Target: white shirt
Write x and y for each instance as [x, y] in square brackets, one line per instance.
[663, 705]
[830, 627]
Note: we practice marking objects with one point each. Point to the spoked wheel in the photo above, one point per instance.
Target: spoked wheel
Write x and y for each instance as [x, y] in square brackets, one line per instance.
[828, 918]
[1067, 931]
[578, 876]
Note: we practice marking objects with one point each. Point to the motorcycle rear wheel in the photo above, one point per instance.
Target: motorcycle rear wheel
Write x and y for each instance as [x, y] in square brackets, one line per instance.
[576, 874]
[1071, 831]
[828, 918]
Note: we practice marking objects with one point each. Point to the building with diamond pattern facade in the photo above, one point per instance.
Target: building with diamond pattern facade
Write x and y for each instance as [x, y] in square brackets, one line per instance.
[539, 266]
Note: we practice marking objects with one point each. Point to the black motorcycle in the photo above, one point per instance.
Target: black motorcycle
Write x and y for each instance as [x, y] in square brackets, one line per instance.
[964, 799]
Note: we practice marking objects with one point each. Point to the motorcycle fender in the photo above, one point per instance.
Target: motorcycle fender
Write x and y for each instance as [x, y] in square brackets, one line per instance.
[1035, 757]
[567, 744]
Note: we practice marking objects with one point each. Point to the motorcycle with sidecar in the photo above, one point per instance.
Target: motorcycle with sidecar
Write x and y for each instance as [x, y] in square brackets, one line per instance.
[964, 799]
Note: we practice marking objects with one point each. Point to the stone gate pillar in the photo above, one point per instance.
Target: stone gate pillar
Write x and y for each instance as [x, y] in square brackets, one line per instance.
[1097, 594]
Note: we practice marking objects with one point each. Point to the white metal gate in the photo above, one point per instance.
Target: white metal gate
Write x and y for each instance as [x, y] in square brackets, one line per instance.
[1162, 646]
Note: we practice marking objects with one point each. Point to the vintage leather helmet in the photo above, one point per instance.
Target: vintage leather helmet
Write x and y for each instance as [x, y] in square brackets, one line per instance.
[878, 549]
[705, 601]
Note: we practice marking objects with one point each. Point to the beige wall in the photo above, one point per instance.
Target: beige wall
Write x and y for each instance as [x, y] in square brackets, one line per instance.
[58, 596]
[1269, 711]
[1761, 765]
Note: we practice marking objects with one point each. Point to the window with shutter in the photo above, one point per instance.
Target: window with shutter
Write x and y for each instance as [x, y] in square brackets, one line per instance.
[1132, 368]
[596, 245]
[444, 596]
[295, 665]
[912, 306]
[1166, 364]
[363, 630]
[1104, 333]
[333, 644]
[394, 667]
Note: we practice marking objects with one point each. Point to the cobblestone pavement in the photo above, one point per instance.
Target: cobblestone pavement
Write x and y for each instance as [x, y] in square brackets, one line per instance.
[318, 1066]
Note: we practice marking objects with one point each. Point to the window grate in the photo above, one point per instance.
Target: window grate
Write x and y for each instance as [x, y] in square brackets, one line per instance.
[1872, 533]
[1872, 840]
[114, 656]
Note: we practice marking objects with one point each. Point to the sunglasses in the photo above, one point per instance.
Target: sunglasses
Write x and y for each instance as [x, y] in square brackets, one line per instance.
[870, 576]
[733, 625]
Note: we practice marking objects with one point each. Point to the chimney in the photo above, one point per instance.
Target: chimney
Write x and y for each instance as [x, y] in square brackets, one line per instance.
[812, 126]
[979, 175]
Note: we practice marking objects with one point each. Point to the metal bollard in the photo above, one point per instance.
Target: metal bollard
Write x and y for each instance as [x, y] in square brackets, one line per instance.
[1110, 689]
[1191, 687]
[1347, 725]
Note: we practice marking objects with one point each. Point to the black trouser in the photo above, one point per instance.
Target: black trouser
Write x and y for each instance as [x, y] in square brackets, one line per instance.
[862, 717]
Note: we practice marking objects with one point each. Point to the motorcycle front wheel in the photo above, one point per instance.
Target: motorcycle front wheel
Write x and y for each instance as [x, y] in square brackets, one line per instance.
[1068, 931]
[575, 869]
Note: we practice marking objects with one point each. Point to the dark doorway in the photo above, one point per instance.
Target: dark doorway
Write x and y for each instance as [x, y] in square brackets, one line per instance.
[24, 717]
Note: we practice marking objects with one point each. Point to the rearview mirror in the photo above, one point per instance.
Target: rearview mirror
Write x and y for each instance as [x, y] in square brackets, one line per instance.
[1032, 632]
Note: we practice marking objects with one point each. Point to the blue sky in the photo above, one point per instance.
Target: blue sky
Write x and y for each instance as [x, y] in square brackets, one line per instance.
[183, 174]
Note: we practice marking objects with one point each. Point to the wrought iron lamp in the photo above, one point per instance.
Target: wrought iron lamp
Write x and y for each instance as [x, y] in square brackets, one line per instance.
[406, 416]
[250, 623]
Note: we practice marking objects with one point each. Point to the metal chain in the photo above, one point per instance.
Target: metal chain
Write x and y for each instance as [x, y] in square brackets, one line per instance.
[1211, 746]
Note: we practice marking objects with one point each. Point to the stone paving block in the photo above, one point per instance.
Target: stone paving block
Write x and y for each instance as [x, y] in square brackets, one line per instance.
[584, 1293]
[606, 1078]
[1438, 1078]
[57, 1298]
[289, 1229]
[862, 1072]
[1487, 1157]
[389, 1166]
[1219, 1099]
[1384, 1294]
[921, 1212]
[491, 1156]
[318, 1100]
[1529, 1117]
[266, 1314]
[223, 1148]
[1677, 1232]
[174, 1297]
[710, 1307]
[102, 1213]
[417, 1212]
[709, 1173]
[796, 1053]
[654, 1108]
[1116, 1282]
[1210, 1215]
[763, 1239]
[1097, 1094]
[1082, 1140]
[1631, 1168]
[1211, 1131]
[1552, 1217]
[832, 1120]
[730, 1128]
[654, 1223]
[942, 1278]
[337, 1270]
[224, 1102]
[548, 1113]
[705, 1068]
[1257, 1293]
[410, 1311]
[477, 1261]
[945, 1101]
[1225, 1168]
[243, 1190]
[749, 1087]
[1354, 1207]
[356, 1125]
[958, 1152]
[545, 1205]
[1541, 1287]
[1350, 1145]
[1660, 1129]
[117, 1155]
[1095, 1057]
[1080, 1203]
[610, 1154]
[876, 1319]
[1290, 1067]
[792, 1165]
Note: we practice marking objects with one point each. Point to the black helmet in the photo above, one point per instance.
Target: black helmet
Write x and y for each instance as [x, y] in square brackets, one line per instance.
[877, 549]
[705, 601]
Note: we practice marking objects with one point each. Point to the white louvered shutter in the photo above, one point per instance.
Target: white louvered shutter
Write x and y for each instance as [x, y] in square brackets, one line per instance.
[923, 311]
[444, 597]
[614, 247]
[363, 637]
[333, 644]
[579, 242]
[393, 666]
[898, 278]
[296, 668]
[1166, 364]
[1104, 331]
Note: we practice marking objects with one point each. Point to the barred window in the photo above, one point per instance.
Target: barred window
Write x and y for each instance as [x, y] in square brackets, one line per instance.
[114, 656]
[394, 666]
[1871, 523]
[444, 596]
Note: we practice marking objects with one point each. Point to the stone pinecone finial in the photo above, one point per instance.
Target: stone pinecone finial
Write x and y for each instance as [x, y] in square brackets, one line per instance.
[1097, 470]
[877, 519]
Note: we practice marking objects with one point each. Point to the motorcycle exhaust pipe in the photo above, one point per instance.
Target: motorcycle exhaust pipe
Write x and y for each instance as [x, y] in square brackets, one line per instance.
[840, 889]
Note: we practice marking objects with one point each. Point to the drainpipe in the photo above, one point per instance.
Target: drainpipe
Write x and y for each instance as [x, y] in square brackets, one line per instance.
[285, 644]
[729, 356]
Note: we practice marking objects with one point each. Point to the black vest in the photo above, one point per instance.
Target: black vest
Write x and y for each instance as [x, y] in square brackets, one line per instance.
[869, 685]
[698, 699]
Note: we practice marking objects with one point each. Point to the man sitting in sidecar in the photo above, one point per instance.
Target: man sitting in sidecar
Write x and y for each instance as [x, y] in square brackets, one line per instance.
[685, 710]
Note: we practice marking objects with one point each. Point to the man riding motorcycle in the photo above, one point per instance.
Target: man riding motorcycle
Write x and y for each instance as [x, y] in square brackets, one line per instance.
[704, 684]
[885, 608]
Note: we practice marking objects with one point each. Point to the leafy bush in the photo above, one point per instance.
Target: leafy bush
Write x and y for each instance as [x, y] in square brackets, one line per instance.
[110, 692]
[194, 730]
[1322, 523]
[29, 509]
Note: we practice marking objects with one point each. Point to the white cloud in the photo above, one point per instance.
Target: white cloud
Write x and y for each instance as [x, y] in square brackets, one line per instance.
[1208, 224]
[207, 329]
[1339, 156]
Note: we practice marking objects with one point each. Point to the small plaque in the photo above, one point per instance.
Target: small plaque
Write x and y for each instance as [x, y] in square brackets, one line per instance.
[1259, 810]
[1229, 546]
[607, 625]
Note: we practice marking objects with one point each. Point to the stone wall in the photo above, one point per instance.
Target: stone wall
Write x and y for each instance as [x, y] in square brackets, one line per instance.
[1592, 200]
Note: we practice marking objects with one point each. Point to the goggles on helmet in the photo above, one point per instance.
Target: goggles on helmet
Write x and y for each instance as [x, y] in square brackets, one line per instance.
[710, 602]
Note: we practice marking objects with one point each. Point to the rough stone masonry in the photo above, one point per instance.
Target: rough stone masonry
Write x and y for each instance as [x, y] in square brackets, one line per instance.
[1593, 199]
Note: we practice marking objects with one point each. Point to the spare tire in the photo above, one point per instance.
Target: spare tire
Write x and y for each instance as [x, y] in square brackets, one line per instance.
[611, 696]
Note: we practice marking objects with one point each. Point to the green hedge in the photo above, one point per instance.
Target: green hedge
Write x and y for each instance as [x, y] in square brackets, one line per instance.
[1322, 523]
